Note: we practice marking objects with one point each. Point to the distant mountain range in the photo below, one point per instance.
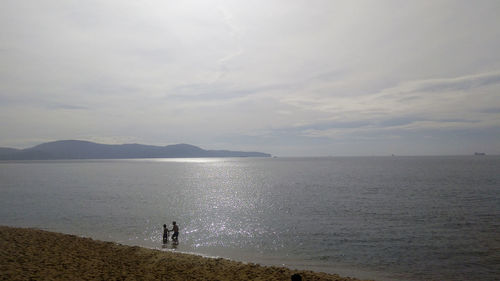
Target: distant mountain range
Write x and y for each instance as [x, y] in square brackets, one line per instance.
[76, 149]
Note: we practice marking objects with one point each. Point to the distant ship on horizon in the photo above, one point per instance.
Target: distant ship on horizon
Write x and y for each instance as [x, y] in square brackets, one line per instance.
[479, 153]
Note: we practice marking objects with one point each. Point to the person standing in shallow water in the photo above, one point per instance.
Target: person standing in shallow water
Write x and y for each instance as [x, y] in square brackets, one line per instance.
[165, 234]
[175, 229]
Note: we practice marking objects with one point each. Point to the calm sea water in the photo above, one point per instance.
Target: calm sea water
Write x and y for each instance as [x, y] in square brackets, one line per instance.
[388, 218]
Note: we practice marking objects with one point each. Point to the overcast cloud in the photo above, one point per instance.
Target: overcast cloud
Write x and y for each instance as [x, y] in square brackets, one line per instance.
[283, 77]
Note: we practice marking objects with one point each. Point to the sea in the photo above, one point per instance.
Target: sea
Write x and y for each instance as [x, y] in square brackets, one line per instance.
[382, 218]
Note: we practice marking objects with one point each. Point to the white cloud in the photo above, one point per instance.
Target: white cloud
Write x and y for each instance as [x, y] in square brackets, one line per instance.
[459, 102]
[283, 71]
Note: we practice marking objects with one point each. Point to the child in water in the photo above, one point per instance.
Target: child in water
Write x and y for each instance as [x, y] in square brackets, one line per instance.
[165, 234]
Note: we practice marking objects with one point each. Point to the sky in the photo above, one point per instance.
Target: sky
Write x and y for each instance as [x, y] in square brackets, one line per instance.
[290, 78]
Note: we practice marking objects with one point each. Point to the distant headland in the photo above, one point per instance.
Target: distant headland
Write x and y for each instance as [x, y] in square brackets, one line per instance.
[77, 149]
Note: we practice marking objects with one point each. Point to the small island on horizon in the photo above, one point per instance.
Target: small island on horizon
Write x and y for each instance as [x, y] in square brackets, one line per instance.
[78, 149]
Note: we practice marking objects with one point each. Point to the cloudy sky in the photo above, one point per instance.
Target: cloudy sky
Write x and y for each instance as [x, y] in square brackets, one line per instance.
[291, 78]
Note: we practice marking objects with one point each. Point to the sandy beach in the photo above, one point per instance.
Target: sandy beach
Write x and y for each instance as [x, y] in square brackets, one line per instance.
[31, 254]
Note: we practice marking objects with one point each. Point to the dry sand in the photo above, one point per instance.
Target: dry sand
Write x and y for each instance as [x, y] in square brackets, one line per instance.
[31, 254]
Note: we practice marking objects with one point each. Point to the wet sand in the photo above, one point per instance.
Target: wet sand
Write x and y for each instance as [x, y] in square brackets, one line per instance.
[31, 254]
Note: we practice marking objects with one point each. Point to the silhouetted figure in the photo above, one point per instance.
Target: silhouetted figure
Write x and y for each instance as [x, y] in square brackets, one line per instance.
[296, 277]
[165, 234]
[175, 229]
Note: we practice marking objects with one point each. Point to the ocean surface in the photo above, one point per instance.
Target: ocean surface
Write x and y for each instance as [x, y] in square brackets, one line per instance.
[386, 218]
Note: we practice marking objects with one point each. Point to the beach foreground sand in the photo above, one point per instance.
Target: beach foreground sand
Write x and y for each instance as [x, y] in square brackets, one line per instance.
[31, 254]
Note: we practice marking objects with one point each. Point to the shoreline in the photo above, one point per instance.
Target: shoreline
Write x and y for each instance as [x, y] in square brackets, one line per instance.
[27, 253]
